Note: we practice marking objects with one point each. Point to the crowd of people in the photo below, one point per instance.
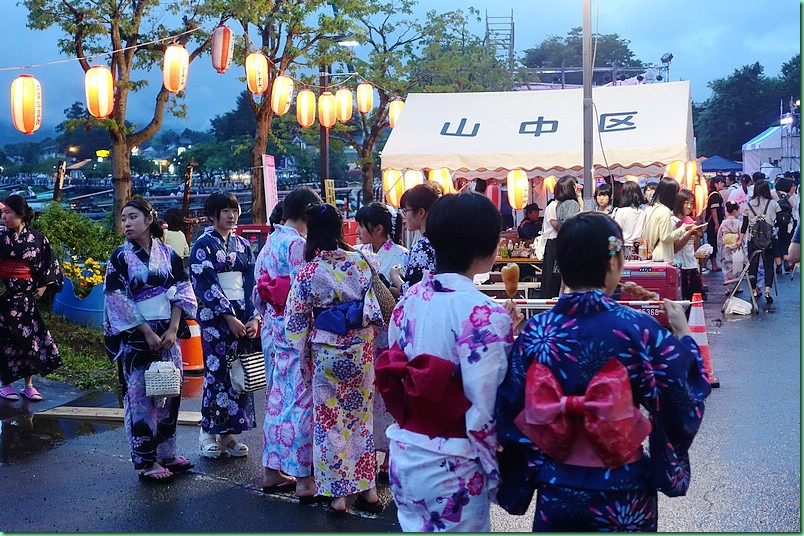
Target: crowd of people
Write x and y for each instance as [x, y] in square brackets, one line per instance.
[465, 401]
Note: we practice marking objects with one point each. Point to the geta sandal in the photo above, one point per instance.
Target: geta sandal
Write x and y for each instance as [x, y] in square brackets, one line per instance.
[156, 475]
[177, 464]
[371, 507]
[286, 486]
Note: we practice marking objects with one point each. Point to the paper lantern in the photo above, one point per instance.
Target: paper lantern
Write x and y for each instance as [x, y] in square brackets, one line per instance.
[343, 104]
[365, 97]
[257, 72]
[443, 177]
[26, 103]
[550, 183]
[99, 88]
[701, 193]
[394, 109]
[281, 94]
[517, 188]
[305, 108]
[632, 178]
[412, 177]
[494, 193]
[393, 186]
[326, 109]
[222, 48]
[675, 170]
[691, 174]
[175, 67]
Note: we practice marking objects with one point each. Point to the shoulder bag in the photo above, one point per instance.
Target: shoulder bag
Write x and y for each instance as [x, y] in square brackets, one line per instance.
[384, 297]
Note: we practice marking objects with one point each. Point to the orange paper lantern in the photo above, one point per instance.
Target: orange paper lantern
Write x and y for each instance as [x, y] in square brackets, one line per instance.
[394, 109]
[99, 88]
[305, 108]
[701, 193]
[393, 186]
[175, 67]
[343, 105]
[550, 183]
[326, 109]
[26, 103]
[257, 72]
[675, 170]
[517, 188]
[365, 97]
[281, 94]
[222, 48]
[443, 177]
[690, 174]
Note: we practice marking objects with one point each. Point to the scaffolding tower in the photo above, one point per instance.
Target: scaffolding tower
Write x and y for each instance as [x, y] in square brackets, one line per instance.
[500, 35]
[790, 154]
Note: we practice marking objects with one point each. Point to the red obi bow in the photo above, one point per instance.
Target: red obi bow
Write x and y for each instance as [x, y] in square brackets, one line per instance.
[274, 292]
[602, 426]
[422, 395]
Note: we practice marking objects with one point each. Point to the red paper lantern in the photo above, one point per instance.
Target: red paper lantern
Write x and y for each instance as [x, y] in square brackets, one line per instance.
[26, 103]
[493, 192]
[175, 67]
[257, 72]
[222, 48]
[99, 87]
[305, 108]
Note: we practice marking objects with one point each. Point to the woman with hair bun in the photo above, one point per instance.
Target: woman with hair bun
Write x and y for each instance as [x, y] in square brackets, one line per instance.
[147, 294]
[571, 412]
[27, 268]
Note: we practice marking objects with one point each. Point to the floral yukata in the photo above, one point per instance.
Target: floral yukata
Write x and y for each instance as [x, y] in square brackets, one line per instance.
[26, 346]
[389, 255]
[445, 484]
[288, 427]
[575, 339]
[421, 258]
[343, 371]
[140, 287]
[223, 410]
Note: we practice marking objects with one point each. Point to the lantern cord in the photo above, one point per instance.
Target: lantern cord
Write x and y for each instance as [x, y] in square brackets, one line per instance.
[161, 40]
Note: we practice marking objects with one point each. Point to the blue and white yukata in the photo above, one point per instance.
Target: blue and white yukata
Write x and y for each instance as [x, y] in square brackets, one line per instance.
[144, 286]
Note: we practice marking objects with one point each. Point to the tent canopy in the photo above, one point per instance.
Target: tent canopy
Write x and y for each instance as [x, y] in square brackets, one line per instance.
[641, 128]
[718, 163]
[762, 149]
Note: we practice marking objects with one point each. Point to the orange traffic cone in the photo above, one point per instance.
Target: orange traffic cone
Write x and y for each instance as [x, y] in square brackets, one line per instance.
[192, 355]
[698, 329]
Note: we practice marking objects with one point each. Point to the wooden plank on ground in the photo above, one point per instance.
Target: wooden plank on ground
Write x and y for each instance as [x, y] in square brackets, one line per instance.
[192, 418]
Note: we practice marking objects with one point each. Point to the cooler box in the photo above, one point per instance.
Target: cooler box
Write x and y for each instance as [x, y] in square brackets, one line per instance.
[350, 232]
[659, 277]
[255, 233]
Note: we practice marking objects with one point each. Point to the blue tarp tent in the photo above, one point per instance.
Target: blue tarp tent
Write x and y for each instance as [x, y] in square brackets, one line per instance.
[718, 163]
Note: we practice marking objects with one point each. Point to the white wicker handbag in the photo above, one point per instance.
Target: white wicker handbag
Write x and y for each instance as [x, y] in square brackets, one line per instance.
[162, 379]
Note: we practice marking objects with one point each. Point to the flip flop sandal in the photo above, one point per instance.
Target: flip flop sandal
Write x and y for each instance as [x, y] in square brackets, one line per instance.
[312, 499]
[158, 476]
[32, 394]
[334, 512]
[177, 465]
[210, 448]
[7, 392]
[234, 447]
[288, 485]
[365, 506]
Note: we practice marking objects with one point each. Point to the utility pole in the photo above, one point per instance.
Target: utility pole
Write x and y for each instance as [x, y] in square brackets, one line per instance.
[588, 187]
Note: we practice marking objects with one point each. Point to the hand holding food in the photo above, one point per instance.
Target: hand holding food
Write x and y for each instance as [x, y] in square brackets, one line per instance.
[510, 276]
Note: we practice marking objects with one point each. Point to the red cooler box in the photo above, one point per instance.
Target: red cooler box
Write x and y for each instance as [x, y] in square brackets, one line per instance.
[350, 232]
[659, 277]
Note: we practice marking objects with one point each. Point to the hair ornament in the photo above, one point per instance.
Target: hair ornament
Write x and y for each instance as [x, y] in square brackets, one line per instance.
[323, 211]
[615, 245]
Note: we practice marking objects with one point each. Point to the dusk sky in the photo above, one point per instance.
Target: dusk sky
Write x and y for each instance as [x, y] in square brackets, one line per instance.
[709, 39]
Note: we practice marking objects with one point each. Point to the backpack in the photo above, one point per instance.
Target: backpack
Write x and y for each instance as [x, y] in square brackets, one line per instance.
[761, 230]
[785, 215]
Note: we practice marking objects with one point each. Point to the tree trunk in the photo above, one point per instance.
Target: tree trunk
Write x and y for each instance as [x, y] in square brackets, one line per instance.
[264, 121]
[121, 179]
[367, 167]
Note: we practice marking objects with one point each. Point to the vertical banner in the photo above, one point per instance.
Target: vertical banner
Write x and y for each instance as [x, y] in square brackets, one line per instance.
[329, 185]
[269, 184]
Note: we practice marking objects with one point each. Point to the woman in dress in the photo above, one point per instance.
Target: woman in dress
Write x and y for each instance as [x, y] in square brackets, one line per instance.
[174, 234]
[584, 362]
[630, 216]
[728, 235]
[685, 247]
[603, 199]
[567, 204]
[443, 469]
[146, 295]
[287, 457]
[374, 231]
[660, 233]
[327, 316]
[27, 268]
[415, 204]
[222, 272]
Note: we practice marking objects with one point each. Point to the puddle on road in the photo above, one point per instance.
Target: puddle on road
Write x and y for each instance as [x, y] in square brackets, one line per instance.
[28, 434]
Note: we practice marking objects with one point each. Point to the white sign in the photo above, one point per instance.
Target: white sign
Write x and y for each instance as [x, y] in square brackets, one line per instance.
[269, 183]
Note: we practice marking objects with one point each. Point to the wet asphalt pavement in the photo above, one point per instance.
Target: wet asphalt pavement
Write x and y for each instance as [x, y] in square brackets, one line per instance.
[67, 475]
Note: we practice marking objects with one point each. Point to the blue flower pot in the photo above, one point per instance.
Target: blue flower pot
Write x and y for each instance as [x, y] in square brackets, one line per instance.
[83, 311]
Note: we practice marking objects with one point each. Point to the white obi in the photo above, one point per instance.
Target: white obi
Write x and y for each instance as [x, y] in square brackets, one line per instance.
[156, 308]
[232, 285]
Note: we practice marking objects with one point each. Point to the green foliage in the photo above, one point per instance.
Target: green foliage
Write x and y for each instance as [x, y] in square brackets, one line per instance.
[85, 362]
[71, 233]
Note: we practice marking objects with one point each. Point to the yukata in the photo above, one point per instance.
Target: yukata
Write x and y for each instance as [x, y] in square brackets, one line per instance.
[26, 264]
[445, 483]
[288, 426]
[584, 333]
[143, 286]
[222, 273]
[336, 284]
[421, 258]
[389, 255]
[727, 245]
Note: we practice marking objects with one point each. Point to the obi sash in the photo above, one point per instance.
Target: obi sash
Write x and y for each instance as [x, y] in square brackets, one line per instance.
[154, 303]
[274, 292]
[232, 285]
[339, 318]
[602, 428]
[13, 269]
[422, 394]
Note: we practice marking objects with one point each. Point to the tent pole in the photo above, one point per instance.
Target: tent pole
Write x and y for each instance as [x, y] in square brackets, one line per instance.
[588, 186]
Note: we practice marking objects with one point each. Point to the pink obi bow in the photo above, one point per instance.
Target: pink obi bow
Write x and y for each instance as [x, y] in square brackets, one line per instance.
[601, 428]
[274, 292]
[422, 395]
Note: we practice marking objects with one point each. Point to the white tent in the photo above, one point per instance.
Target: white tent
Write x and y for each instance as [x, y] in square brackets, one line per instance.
[760, 152]
[638, 129]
